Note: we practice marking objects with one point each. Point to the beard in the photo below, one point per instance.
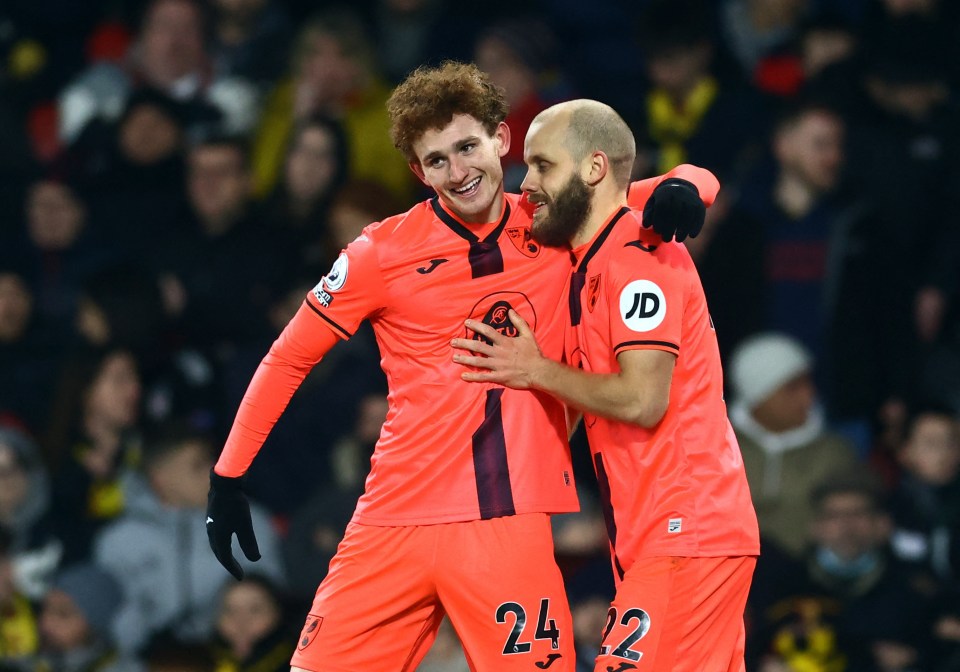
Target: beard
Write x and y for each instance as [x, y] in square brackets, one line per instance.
[567, 212]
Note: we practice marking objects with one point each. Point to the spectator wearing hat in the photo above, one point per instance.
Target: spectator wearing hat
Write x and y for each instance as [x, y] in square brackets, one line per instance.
[25, 513]
[75, 623]
[786, 446]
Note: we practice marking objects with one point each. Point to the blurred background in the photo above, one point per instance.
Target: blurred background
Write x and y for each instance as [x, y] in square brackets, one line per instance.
[175, 175]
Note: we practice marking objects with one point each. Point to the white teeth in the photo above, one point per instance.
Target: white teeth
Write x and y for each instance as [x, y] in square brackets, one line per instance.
[467, 187]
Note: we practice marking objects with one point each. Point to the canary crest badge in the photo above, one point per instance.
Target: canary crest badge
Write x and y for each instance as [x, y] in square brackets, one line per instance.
[522, 240]
[593, 292]
[309, 632]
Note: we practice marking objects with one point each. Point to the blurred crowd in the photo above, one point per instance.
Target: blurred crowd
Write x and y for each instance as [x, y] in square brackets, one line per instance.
[175, 175]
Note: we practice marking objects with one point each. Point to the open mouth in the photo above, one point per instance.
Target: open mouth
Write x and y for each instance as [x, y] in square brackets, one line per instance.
[469, 189]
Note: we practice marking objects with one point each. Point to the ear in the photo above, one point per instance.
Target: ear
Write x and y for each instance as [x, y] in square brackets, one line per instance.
[502, 137]
[418, 171]
[594, 168]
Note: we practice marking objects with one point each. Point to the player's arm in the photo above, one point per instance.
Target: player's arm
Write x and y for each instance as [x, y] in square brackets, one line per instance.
[639, 393]
[675, 204]
[706, 183]
[301, 345]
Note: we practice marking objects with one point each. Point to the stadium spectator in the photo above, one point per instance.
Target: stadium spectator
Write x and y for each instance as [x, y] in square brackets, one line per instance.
[250, 40]
[25, 513]
[298, 209]
[849, 604]
[218, 269]
[19, 632]
[93, 443]
[690, 114]
[520, 55]
[798, 256]
[28, 355]
[252, 631]
[170, 56]
[334, 73]
[786, 446]
[157, 550]
[75, 623]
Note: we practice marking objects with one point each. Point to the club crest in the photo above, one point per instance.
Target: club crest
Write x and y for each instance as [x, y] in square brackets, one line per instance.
[593, 292]
[522, 240]
[310, 629]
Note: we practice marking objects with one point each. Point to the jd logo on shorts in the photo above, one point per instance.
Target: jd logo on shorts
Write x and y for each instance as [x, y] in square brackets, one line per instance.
[642, 305]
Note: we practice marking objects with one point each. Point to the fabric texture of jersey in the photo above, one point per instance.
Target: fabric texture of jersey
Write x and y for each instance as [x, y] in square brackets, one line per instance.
[679, 488]
[449, 450]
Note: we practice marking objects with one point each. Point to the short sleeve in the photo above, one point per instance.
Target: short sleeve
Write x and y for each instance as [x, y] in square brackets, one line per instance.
[646, 303]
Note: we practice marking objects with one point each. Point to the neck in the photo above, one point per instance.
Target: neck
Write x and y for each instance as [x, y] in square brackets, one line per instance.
[604, 206]
[793, 195]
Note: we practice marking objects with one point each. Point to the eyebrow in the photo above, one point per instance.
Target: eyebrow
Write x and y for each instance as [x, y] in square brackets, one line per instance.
[437, 154]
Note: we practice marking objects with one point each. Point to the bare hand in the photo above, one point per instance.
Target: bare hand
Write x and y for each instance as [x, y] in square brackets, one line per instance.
[512, 362]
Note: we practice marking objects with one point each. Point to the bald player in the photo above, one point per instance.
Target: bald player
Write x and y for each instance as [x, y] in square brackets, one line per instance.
[454, 518]
[644, 369]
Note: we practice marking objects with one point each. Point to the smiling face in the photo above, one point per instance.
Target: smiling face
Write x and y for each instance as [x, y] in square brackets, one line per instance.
[554, 183]
[461, 162]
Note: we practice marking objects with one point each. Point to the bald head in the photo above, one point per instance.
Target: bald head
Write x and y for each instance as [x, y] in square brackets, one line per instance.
[590, 126]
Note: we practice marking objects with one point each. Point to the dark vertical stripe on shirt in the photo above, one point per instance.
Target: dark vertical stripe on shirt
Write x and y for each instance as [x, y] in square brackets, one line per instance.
[606, 505]
[490, 462]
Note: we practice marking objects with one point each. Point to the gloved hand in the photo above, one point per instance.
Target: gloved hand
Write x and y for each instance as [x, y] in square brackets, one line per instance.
[228, 513]
[675, 209]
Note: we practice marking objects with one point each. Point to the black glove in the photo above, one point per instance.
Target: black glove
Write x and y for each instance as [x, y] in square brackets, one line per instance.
[675, 209]
[228, 513]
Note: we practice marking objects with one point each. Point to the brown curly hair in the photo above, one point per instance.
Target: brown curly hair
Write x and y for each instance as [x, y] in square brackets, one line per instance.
[430, 96]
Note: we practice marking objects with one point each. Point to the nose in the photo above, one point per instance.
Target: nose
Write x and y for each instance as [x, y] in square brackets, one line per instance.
[458, 171]
[529, 184]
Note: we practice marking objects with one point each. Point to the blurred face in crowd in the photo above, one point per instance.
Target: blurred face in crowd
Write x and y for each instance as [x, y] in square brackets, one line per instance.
[328, 69]
[62, 625]
[822, 48]
[114, 394]
[218, 184]
[148, 135]
[849, 524]
[912, 99]
[54, 215]
[932, 449]
[788, 407]
[172, 42]
[248, 613]
[506, 69]
[678, 70]
[14, 483]
[461, 162]
[810, 148]
[16, 304]
[311, 164]
[181, 477]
